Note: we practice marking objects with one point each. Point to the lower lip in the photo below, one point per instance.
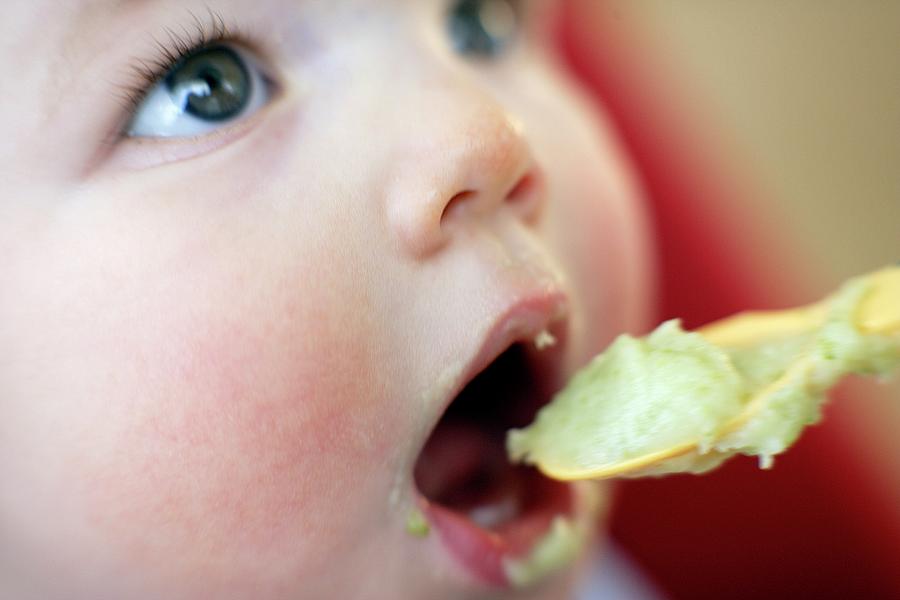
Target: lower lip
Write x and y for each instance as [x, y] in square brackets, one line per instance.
[481, 553]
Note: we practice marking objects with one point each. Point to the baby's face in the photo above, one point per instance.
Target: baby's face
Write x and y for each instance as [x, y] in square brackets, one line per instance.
[252, 251]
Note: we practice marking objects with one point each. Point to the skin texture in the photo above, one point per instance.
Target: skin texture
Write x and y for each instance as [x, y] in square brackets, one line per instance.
[221, 356]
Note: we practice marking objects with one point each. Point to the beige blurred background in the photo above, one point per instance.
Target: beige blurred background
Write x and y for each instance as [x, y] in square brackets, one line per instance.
[805, 95]
[809, 92]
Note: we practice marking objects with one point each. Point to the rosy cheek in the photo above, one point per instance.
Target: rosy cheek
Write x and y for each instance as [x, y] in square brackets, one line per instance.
[240, 438]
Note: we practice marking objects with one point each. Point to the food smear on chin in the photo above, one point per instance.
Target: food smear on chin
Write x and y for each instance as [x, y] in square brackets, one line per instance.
[416, 524]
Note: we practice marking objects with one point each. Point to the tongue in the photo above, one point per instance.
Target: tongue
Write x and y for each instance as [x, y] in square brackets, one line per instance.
[464, 468]
[485, 509]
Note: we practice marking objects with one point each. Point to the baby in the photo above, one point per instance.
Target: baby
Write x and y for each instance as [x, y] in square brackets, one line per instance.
[254, 255]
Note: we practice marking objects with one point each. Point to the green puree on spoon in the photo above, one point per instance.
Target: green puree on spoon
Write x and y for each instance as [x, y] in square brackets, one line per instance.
[677, 401]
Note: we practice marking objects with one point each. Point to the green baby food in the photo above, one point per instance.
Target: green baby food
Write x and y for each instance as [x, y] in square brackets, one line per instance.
[674, 401]
[417, 524]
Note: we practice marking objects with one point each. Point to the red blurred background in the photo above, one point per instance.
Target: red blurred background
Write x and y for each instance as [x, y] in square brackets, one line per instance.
[825, 521]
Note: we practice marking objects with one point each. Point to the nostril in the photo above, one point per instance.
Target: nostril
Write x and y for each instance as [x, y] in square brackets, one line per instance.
[526, 196]
[457, 203]
[523, 190]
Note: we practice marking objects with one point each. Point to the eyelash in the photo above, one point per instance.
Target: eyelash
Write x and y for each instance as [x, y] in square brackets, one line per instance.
[177, 46]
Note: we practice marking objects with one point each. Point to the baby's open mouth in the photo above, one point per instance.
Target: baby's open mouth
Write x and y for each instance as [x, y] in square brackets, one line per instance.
[485, 508]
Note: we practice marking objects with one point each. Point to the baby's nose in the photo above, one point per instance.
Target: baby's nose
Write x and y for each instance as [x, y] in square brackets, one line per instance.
[476, 162]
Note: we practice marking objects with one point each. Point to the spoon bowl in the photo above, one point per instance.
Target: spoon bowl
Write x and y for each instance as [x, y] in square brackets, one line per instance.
[787, 358]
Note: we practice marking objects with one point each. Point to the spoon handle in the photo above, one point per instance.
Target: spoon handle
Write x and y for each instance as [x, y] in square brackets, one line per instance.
[878, 313]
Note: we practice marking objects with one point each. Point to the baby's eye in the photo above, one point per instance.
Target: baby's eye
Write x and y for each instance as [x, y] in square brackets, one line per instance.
[204, 90]
[483, 28]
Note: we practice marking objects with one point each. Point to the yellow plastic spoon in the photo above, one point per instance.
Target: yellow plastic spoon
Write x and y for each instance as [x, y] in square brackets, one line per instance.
[685, 402]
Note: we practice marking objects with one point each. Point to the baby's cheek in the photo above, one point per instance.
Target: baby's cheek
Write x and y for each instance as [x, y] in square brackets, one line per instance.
[597, 219]
[243, 444]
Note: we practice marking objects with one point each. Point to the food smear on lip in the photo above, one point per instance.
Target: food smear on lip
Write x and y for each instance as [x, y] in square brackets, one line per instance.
[678, 401]
[544, 339]
[562, 544]
[555, 551]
